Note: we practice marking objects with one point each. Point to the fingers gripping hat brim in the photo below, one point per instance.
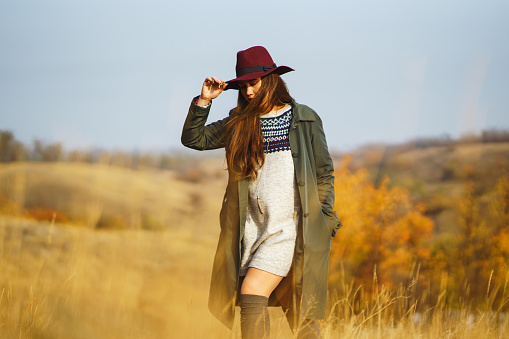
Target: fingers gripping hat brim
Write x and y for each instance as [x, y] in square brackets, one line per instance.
[234, 83]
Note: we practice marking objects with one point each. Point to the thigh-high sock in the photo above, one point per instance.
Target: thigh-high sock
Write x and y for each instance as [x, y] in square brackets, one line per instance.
[254, 317]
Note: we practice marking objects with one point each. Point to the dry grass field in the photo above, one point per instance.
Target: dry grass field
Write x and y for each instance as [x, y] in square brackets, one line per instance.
[128, 254]
[74, 281]
[65, 282]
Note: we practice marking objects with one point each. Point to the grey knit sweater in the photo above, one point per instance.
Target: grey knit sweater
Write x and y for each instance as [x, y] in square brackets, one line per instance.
[273, 207]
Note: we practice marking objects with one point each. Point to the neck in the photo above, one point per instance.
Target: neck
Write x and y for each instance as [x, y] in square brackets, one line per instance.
[277, 108]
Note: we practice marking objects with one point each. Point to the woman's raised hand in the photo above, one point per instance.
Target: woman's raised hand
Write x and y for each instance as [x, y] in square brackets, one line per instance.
[212, 87]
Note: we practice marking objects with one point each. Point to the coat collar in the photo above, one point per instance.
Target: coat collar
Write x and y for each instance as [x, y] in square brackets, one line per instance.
[303, 113]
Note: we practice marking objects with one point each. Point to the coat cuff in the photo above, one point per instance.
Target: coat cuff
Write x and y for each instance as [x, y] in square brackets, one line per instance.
[195, 102]
[199, 110]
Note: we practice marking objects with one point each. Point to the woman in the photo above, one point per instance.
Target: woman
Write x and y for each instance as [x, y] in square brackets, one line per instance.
[277, 216]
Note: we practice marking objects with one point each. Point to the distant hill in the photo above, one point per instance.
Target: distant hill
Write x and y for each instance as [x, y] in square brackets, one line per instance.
[110, 197]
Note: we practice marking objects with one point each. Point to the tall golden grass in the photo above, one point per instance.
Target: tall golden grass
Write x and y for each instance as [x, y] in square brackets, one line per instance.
[64, 281]
[393, 314]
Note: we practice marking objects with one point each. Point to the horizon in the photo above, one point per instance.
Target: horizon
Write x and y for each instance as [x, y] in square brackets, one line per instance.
[463, 139]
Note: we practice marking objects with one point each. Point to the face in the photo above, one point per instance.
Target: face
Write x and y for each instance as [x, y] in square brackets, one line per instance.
[250, 88]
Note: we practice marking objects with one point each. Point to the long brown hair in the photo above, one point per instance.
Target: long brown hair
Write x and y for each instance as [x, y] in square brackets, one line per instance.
[243, 133]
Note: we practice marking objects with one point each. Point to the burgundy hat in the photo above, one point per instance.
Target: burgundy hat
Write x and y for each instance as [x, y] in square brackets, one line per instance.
[253, 63]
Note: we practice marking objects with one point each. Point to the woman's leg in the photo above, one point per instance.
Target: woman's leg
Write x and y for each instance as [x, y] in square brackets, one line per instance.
[254, 295]
[259, 282]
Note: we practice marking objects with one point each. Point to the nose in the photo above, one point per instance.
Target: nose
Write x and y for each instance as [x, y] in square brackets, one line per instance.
[249, 90]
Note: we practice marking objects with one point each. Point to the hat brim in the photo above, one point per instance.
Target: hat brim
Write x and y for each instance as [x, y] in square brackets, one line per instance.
[234, 83]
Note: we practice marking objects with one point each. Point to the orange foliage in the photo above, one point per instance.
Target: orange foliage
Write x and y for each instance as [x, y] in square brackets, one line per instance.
[46, 214]
[383, 230]
[500, 210]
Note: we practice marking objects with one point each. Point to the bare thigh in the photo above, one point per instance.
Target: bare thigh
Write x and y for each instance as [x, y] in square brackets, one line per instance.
[259, 282]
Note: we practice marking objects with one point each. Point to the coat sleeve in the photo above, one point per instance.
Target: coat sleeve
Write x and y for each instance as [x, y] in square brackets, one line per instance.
[325, 177]
[196, 135]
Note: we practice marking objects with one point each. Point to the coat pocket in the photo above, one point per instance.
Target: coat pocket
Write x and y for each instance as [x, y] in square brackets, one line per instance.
[332, 222]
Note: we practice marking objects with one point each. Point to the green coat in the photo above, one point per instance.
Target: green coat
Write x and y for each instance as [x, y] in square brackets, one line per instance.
[303, 292]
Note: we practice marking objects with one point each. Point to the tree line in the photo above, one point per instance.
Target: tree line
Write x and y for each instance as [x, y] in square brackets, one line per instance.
[12, 150]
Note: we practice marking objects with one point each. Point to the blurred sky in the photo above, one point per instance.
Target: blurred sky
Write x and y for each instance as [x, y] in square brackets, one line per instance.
[121, 74]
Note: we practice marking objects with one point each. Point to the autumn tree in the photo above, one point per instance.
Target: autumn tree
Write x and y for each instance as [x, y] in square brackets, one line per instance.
[500, 237]
[476, 257]
[46, 152]
[383, 230]
[10, 148]
[474, 245]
